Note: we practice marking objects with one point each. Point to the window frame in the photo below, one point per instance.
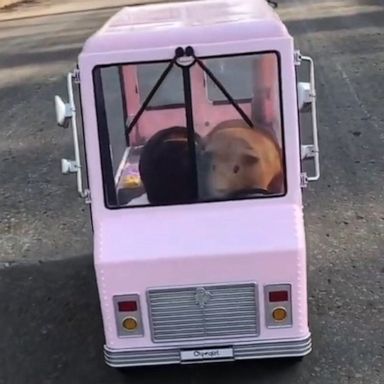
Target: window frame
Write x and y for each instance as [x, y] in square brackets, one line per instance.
[109, 188]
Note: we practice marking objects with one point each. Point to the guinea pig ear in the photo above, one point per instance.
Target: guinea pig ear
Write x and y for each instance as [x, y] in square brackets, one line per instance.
[248, 159]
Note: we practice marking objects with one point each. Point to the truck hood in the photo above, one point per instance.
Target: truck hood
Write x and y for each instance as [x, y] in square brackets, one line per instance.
[211, 229]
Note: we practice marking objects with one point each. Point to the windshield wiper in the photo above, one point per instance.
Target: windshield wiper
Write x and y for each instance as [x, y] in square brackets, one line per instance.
[190, 52]
[150, 95]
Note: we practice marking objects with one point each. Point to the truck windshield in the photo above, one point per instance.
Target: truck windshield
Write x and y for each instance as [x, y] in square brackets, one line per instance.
[190, 129]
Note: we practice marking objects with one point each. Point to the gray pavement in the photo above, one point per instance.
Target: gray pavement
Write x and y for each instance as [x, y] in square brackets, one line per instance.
[49, 315]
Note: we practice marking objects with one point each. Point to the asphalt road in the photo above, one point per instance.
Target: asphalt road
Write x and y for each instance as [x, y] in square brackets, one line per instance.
[50, 327]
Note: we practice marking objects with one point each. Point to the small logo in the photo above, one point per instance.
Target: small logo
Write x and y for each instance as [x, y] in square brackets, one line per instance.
[202, 297]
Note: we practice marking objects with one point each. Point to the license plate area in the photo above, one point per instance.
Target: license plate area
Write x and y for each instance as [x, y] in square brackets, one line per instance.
[204, 354]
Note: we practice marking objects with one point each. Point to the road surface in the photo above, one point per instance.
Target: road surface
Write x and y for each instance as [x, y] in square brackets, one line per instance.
[49, 315]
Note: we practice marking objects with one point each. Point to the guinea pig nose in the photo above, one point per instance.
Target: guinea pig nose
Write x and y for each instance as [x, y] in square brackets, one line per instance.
[236, 169]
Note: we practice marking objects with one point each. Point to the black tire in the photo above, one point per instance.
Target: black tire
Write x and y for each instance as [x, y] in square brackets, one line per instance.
[294, 359]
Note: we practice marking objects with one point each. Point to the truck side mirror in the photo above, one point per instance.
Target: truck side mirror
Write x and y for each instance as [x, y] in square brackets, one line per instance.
[63, 112]
[66, 114]
[306, 100]
[304, 95]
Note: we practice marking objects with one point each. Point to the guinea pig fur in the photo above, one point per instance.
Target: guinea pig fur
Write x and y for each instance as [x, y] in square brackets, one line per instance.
[166, 167]
[241, 158]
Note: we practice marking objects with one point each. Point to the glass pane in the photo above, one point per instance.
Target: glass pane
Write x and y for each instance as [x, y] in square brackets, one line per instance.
[171, 92]
[149, 149]
[114, 107]
[241, 154]
[233, 74]
[231, 150]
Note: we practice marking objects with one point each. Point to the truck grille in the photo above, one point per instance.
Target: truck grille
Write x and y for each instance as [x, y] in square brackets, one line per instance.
[203, 312]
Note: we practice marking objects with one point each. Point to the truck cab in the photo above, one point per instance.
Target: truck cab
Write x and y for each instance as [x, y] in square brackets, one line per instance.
[194, 161]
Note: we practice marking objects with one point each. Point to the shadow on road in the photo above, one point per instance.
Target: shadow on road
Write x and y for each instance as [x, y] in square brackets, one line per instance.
[15, 17]
[51, 327]
[372, 2]
[51, 332]
[50, 324]
[336, 23]
[39, 206]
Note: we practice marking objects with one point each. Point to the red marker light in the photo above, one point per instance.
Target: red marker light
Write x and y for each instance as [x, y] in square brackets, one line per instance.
[127, 306]
[278, 296]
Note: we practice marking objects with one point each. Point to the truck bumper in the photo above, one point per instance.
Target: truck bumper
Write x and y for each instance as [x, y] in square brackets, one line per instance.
[163, 356]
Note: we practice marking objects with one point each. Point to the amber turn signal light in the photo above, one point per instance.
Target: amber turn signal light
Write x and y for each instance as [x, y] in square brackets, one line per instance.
[130, 323]
[279, 314]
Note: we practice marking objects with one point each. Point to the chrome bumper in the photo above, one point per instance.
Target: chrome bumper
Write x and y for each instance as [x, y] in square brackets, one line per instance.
[130, 358]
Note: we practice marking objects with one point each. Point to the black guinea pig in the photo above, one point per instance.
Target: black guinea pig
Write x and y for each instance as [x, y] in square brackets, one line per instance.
[167, 167]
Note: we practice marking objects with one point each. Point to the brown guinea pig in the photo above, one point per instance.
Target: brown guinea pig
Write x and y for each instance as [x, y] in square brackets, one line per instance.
[241, 158]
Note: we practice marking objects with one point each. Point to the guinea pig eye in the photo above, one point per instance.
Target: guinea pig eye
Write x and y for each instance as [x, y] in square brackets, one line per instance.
[250, 160]
[236, 169]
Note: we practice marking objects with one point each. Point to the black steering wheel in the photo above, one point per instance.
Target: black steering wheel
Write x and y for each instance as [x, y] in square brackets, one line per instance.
[249, 192]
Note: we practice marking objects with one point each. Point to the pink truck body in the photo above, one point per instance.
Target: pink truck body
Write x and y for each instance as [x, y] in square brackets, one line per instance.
[206, 281]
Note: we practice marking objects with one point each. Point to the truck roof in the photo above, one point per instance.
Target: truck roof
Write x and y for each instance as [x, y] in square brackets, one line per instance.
[186, 22]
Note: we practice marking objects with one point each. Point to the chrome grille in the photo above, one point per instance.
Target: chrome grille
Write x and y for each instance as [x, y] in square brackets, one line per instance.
[203, 312]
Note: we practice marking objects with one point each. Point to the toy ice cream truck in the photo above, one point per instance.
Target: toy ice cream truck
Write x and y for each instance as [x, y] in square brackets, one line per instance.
[194, 163]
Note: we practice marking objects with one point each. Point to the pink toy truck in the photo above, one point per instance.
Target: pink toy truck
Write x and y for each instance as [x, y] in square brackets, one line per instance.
[195, 168]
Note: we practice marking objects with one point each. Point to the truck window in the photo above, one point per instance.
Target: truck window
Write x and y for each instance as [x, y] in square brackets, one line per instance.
[170, 94]
[114, 107]
[218, 139]
[234, 73]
